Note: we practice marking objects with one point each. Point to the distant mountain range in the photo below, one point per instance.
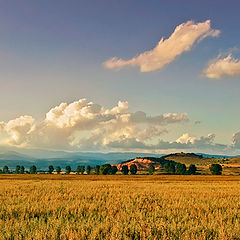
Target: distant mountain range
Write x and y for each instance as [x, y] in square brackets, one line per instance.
[43, 158]
[61, 158]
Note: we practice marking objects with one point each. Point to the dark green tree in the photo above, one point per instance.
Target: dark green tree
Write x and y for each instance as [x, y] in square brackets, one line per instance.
[169, 168]
[33, 169]
[216, 169]
[82, 169]
[125, 170]
[166, 167]
[88, 169]
[22, 169]
[114, 170]
[180, 169]
[192, 169]
[97, 169]
[151, 169]
[68, 169]
[17, 171]
[106, 169]
[78, 169]
[58, 169]
[50, 169]
[133, 169]
[1, 171]
[5, 169]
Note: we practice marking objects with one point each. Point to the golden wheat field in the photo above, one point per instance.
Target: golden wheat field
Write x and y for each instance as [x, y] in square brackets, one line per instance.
[119, 207]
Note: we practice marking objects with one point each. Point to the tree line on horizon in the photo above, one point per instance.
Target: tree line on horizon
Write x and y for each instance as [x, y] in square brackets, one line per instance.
[108, 169]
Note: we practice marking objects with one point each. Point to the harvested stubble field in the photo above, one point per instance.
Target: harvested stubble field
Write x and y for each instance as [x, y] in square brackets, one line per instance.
[119, 207]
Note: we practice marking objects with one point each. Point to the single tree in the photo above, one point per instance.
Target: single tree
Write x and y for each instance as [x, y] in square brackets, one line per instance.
[5, 169]
[78, 169]
[166, 167]
[22, 169]
[151, 169]
[216, 169]
[58, 169]
[82, 169]
[1, 171]
[106, 169]
[68, 169]
[192, 169]
[33, 169]
[50, 169]
[17, 171]
[88, 169]
[125, 170]
[180, 169]
[172, 168]
[114, 170]
[133, 169]
[97, 169]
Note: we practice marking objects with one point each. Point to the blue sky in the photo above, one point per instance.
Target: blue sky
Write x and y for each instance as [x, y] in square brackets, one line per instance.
[53, 52]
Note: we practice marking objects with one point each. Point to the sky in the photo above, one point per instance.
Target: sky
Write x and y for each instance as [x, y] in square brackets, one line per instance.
[147, 76]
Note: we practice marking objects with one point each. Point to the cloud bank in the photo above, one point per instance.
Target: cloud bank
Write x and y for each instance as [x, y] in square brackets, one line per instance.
[86, 125]
[181, 40]
[220, 67]
[182, 143]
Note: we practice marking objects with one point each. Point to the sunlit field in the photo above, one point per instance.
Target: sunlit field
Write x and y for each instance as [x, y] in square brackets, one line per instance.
[119, 207]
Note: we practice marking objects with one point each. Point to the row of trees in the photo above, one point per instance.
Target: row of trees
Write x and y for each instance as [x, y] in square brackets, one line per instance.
[107, 169]
[19, 170]
[179, 169]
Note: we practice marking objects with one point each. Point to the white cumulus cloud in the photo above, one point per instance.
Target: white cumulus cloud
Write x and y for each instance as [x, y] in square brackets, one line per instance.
[181, 40]
[186, 139]
[223, 66]
[202, 141]
[19, 129]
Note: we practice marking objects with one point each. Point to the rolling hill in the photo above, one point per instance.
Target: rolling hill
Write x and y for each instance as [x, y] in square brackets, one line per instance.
[143, 163]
